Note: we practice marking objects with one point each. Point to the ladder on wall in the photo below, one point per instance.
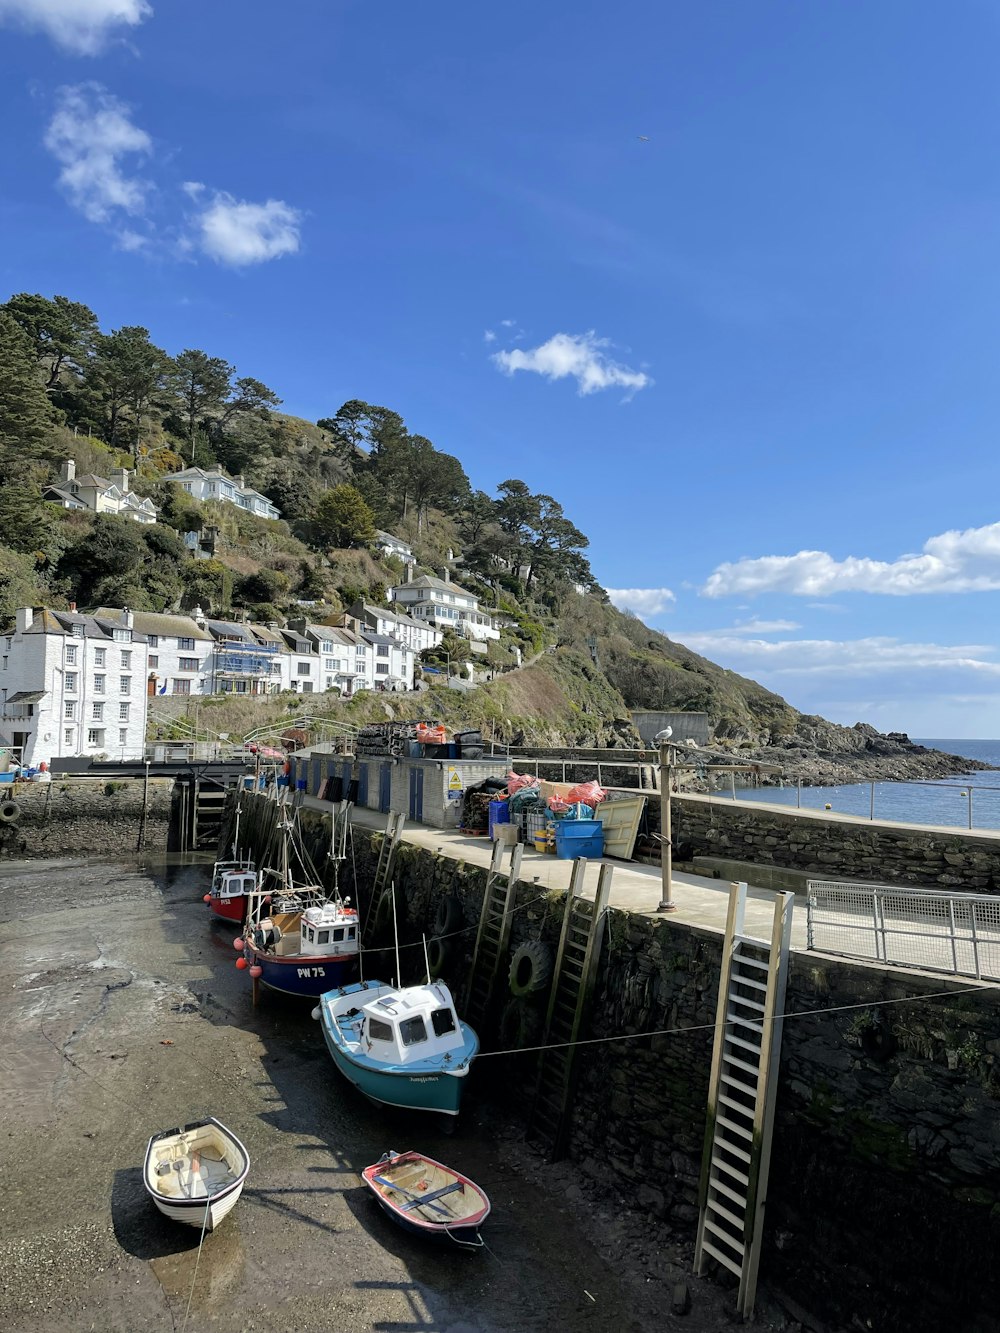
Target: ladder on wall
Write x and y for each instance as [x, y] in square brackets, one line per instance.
[741, 1095]
[572, 985]
[493, 935]
[383, 872]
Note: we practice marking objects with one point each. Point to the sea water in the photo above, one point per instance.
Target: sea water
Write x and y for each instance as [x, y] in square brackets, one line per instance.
[961, 801]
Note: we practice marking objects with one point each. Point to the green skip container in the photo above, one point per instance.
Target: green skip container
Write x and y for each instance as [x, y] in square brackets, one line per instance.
[579, 837]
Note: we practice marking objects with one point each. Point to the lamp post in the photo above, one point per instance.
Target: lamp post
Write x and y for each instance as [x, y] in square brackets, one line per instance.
[666, 903]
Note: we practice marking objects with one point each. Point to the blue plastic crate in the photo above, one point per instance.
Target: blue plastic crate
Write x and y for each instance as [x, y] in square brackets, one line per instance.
[579, 837]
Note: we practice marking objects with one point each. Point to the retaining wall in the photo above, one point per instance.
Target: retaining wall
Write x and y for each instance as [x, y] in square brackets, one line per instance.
[80, 816]
[883, 1207]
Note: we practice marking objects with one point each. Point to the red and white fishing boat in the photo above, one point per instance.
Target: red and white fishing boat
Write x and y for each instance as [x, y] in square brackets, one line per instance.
[233, 882]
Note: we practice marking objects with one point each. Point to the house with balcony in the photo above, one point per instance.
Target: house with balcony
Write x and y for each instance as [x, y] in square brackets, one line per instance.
[214, 484]
[101, 495]
[441, 604]
[72, 686]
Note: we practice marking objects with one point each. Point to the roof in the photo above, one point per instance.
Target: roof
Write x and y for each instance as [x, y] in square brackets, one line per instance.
[26, 696]
[153, 622]
[388, 537]
[438, 585]
[265, 634]
[67, 496]
[227, 629]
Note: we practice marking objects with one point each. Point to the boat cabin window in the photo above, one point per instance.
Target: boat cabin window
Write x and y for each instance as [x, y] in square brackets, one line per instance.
[443, 1022]
[310, 936]
[378, 1031]
[338, 934]
[324, 937]
[352, 933]
[412, 1031]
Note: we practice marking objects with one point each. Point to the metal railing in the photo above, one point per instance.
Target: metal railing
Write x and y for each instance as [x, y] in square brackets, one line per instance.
[952, 804]
[958, 933]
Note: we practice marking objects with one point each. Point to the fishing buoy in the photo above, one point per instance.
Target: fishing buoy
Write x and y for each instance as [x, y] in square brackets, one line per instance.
[238, 944]
[241, 963]
[256, 971]
[206, 898]
[963, 793]
[315, 1013]
[828, 806]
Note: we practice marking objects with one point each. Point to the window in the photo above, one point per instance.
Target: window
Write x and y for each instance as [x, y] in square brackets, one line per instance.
[443, 1022]
[153, 640]
[126, 659]
[378, 1031]
[154, 661]
[71, 682]
[188, 664]
[412, 1031]
[383, 650]
[78, 631]
[126, 685]
[100, 656]
[303, 668]
[71, 654]
[5, 662]
[95, 737]
[98, 715]
[324, 937]
[352, 932]
[68, 735]
[123, 712]
[122, 635]
[181, 687]
[69, 709]
[381, 668]
[327, 646]
[186, 645]
[328, 663]
[99, 684]
[122, 736]
[338, 935]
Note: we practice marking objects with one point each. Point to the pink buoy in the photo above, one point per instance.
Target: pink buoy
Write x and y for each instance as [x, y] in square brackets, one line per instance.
[238, 944]
[256, 971]
[241, 963]
[206, 898]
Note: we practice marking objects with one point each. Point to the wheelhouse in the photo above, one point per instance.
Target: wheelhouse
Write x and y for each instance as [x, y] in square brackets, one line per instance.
[418, 1024]
[329, 929]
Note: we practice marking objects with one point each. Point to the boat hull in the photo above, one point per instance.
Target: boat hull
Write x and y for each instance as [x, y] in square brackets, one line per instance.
[441, 1235]
[228, 909]
[192, 1212]
[305, 975]
[456, 1229]
[211, 1147]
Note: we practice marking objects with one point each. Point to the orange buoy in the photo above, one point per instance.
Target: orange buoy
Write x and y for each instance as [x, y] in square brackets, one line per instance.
[241, 963]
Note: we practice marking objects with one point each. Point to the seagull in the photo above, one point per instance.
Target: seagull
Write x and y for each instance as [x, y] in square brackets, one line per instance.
[643, 138]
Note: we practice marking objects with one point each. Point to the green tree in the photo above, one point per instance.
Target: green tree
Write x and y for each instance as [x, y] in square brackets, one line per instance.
[342, 519]
[124, 381]
[265, 586]
[106, 558]
[61, 332]
[433, 478]
[202, 383]
[25, 412]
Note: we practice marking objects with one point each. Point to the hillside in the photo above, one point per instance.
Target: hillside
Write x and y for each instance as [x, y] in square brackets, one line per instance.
[106, 401]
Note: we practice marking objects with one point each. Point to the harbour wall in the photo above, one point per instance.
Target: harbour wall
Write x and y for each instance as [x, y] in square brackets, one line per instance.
[84, 816]
[883, 1207]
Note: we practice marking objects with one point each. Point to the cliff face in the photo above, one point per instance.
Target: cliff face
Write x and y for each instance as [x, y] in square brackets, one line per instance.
[821, 753]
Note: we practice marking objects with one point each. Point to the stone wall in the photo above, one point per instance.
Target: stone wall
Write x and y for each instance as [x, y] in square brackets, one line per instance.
[882, 1209]
[85, 816]
[945, 859]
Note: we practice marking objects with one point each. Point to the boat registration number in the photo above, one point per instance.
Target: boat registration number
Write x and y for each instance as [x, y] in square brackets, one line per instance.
[311, 971]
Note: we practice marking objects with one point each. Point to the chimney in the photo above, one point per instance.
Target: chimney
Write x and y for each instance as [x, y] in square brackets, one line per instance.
[72, 607]
[410, 567]
[199, 617]
[446, 574]
[239, 481]
[68, 470]
[126, 617]
[25, 616]
[120, 477]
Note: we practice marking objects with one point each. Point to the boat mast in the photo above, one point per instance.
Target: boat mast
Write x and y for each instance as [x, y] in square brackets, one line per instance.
[236, 835]
[395, 935]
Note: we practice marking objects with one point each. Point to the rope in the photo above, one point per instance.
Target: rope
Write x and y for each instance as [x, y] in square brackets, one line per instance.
[194, 1279]
[708, 1027]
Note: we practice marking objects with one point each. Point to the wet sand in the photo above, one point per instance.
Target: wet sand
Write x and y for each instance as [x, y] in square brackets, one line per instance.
[122, 1014]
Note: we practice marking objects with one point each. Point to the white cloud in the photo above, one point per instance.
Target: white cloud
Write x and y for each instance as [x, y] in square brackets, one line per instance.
[508, 323]
[643, 601]
[82, 26]
[489, 336]
[854, 657]
[234, 232]
[90, 134]
[953, 561]
[578, 355]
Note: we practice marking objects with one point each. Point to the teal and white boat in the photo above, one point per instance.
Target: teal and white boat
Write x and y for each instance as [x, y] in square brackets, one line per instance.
[400, 1045]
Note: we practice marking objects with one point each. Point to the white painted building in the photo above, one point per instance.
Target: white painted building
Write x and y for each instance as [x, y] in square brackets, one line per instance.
[179, 651]
[246, 659]
[100, 494]
[445, 605]
[214, 484]
[416, 634]
[72, 685]
[391, 545]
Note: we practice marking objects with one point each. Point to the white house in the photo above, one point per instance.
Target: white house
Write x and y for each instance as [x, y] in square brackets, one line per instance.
[246, 659]
[72, 685]
[416, 634]
[346, 662]
[99, 494]
[179, 651]
[391, 545]
[443, 604]
[215, 485]
[393, 662]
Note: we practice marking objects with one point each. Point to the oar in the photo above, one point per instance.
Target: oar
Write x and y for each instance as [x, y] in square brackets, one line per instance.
[410, 1194]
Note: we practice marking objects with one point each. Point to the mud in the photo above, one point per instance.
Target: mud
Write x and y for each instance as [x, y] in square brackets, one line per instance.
[122, 1014]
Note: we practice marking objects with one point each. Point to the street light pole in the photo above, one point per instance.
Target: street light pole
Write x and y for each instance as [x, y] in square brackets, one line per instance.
[666, 903]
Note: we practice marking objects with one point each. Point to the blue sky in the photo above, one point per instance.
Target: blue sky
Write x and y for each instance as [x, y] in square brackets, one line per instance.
[719, 276]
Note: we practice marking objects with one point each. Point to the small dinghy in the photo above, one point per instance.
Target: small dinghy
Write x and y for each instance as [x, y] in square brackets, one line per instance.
[196, 1174]
[429, 1199]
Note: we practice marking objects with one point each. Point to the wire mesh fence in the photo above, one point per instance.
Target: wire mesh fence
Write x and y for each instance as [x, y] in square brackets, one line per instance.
[940, 932]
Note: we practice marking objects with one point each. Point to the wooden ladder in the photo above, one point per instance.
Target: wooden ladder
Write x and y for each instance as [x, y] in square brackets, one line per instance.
[493, 935]
[383, 873]
[572, 986]
[741, 1095]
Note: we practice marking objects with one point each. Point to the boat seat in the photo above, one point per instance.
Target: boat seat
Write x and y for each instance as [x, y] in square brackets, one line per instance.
[429, 1198]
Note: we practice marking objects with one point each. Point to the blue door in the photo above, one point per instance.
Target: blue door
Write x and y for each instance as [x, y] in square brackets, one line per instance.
[384, 787]
[417, 794]
[362, 784]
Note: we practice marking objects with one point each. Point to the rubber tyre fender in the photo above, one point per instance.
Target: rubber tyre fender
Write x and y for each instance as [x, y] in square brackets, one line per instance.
[520, 1025]
[449, 916]
[440, 955]
[530, 969]
[10, 812]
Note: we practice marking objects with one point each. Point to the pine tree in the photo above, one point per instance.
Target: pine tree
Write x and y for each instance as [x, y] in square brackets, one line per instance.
[25, 413]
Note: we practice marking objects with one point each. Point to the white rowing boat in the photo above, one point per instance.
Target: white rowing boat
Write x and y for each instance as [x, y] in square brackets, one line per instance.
[196, 1174]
